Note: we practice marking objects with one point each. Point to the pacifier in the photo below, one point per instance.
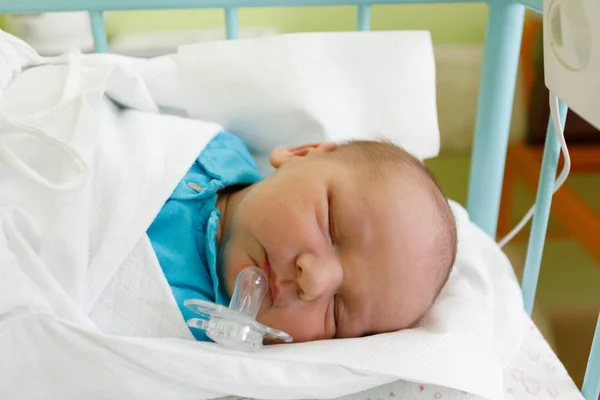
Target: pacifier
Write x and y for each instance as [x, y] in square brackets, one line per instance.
[235, 326]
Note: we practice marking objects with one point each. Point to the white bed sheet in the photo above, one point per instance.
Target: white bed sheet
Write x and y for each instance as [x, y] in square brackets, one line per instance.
[535, 373]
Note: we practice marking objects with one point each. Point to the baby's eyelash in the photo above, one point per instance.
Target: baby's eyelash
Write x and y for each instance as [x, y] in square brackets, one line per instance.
[335, 309]
[330, 226]
[335, 313]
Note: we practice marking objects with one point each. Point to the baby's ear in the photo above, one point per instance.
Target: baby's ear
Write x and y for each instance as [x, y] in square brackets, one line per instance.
[281, 155]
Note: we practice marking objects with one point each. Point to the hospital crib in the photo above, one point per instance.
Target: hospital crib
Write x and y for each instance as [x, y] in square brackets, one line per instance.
[500, 61]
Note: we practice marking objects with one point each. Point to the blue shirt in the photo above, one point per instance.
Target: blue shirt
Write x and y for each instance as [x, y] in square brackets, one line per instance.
[183, 234]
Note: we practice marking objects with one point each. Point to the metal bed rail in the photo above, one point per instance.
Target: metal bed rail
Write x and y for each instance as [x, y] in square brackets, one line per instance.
[26, 6]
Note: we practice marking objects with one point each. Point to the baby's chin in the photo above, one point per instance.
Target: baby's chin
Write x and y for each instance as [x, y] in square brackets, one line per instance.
[266, 316]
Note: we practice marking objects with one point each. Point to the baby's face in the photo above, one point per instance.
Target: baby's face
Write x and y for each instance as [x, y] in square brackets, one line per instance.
[339, 249]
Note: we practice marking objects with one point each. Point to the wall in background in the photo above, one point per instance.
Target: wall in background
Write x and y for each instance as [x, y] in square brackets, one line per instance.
[451, 23]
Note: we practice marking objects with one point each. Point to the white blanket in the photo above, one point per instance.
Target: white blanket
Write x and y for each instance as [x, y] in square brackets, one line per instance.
[68, 258]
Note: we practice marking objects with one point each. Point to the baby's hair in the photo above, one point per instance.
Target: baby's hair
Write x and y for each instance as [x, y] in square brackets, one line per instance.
[380, 158]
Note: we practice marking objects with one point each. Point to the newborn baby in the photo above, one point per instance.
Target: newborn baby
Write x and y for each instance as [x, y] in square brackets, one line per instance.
[356, 239]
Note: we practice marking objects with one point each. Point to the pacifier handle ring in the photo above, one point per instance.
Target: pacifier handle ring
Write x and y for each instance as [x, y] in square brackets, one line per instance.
[236, 326]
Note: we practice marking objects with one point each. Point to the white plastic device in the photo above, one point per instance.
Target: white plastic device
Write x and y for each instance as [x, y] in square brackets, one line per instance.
[235, 326]
[572, 55]
[571, 65]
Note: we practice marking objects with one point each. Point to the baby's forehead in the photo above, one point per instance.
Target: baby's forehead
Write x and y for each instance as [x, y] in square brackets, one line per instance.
[379, 160]
[391, 183]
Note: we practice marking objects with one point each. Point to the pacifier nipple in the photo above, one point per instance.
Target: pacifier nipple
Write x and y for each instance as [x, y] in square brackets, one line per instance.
[236, 326]
[250, 288]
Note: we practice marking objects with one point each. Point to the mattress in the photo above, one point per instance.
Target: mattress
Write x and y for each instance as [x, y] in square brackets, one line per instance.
[535, 373]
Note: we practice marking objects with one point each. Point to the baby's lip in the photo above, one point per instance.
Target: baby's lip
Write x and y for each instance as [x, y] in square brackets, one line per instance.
[272, 279]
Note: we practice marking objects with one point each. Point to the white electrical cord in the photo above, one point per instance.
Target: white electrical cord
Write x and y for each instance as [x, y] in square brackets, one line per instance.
[559, 129]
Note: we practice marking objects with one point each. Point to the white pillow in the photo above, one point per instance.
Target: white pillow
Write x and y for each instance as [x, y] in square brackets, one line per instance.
[294, 89]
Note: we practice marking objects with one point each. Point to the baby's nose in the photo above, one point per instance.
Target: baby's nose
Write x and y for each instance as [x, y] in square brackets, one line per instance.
[316, 277]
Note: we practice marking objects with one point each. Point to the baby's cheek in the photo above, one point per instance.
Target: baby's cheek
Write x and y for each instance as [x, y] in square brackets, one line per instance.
[302, 325]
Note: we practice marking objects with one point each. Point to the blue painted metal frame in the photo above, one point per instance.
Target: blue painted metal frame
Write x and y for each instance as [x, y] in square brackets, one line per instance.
[363, 18]
[542, 211]
[500, 63]
[23, 6]
[231, 23]
[98, 32]
[496, 93]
